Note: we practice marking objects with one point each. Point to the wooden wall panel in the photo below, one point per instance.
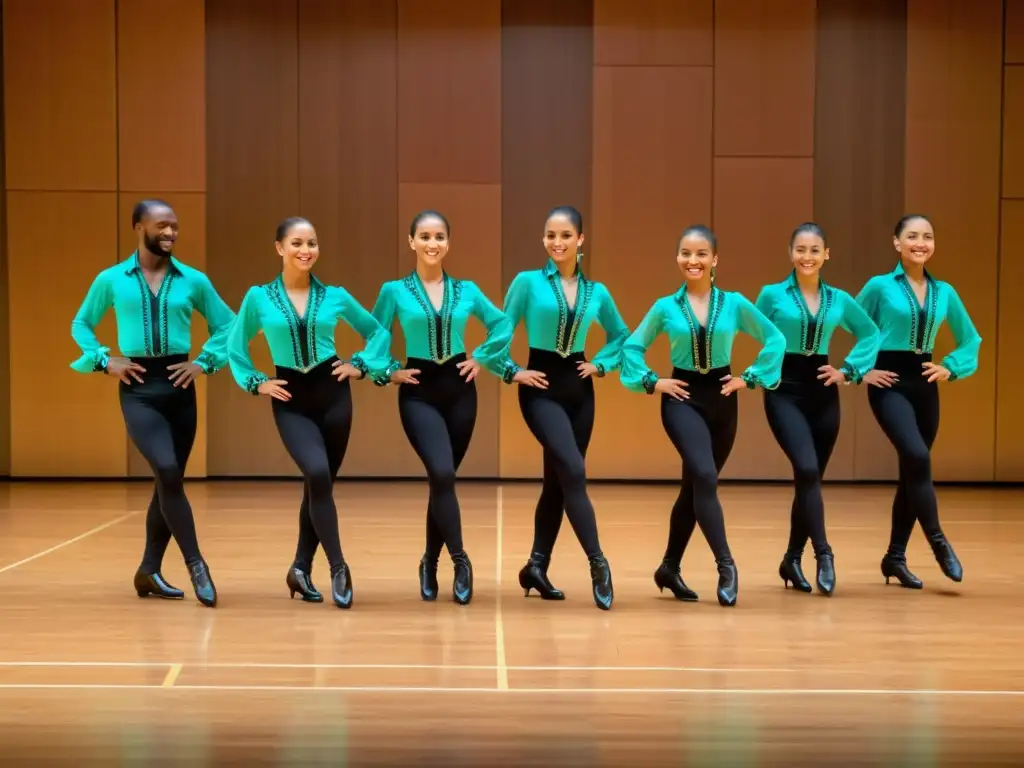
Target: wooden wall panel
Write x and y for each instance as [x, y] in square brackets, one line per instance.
[653, 33]
[652, 177]
[1009, 348]
[547, 58]
[764, 78]
[449, 91]
[954, 63]
[348, 186]
[1014, 33]
[858, 181]
[81, 411]
[1013, 132]
[161, 95]
[190, 249]
[252, 101]
[757, 203]
[474, 212]
[60, 95]
[5, 357]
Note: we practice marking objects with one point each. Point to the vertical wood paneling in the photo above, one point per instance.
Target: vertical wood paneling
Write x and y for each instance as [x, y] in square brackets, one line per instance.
[449, 91]
[161, 95]
[65, 423]
[1014, 39]
[954, 64]
[858, 181]
[654, 33]
[60, 95]
[190, 249]
[348, 186]
[652, 177]
[1009, 347]
[757, 203]
[764, 78]
[1013, 132]
[252, 101]
[547, 52]
[5, 351]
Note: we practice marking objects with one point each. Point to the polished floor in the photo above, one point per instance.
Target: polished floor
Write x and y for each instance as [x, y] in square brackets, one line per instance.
[876, 674]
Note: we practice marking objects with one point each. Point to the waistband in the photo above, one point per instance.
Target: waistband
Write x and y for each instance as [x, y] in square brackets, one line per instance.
[545, 359]
[799, 367]
[428, 367]
[902, 361]
[156, 367]
[711, 378]
[322, 371]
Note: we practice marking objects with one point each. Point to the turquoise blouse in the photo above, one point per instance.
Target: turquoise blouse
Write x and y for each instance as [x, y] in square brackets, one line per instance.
[440, 335]
[302, 343]
[537, 298]
[783, 304]
[728, 314]
[905, 325]
[151, 324]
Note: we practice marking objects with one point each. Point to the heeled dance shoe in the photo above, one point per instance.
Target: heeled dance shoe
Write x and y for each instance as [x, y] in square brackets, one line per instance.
[202, 583]
[791, 572]
[826, 573]
[669, 576]
[601, 576]
[946, 558]
[299, 581]
[894, 566]
[428, 578]
[462, 584]
[341, 586]
[534, 575]
[153, 584]
[728, 582]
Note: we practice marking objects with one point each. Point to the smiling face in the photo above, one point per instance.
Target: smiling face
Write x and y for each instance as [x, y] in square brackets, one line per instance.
[561, 239]
[916, 241]
[696, 258]
[808, 253]
[299, 249]
[158, 230]
[430, 240]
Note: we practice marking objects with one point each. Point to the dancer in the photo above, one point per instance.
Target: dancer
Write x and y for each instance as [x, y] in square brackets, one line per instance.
[310, 395]
[909, 305]
[558, 304]
[153, 296]
[437, 398]
[803, 412]
[697, 409]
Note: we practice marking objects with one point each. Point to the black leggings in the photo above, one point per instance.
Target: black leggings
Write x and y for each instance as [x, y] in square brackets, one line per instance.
[438, 416]
[703, 430]
[561, 418]
[803, 414]
[908, 413]
[161, 421]
[315, 426]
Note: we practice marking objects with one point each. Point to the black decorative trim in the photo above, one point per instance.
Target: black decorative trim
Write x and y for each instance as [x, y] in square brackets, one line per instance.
[649, 381]
[252, 383]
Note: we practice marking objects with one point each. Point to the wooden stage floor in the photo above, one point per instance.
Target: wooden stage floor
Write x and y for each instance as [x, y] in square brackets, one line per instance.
[873, 675]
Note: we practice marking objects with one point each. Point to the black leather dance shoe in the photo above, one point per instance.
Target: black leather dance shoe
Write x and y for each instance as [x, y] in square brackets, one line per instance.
[341, 586]
[428, 578]
[202, 583]
[946, 558]
[895, 567]
[153, 584]
[534, 575]
[601, 576]
[462, 585]
[826, 573]
[728, 582]
[791, 572]
[300, 581]
[669, 575]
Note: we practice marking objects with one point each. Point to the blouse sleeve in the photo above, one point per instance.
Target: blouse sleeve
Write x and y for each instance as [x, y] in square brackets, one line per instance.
[766, 370]
[856, 321]
[493, 353]
[609, 357]
[219, 319]
[635, 374]
[374, 359]
[962, 361]
[245, 326]
[97, 301]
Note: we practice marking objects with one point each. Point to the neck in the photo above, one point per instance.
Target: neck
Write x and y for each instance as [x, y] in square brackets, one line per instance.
[567, 268]
[914, 271]
[700, 287]
[428, 273]
[293, 278]
[152, 261]
[807, 282]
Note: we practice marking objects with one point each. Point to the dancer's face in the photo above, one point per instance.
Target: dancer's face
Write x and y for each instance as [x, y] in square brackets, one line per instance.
[808, 253]
[299, 249]
[430, 241]
[695, 258]
[916, 242]
[158, 230]
[561, 240]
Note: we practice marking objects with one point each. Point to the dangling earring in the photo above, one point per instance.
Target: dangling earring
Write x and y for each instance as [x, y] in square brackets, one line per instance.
[579, 257]
[712, 275]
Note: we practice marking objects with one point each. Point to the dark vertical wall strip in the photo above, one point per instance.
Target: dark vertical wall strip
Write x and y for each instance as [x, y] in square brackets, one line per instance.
[859, 164]
[547, 54]
[252, 99]
[5, 350]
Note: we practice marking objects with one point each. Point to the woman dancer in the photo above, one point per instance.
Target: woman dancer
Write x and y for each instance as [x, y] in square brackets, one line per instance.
[697, 411]
[803, 412]
[153, 296]
[909, 305]
[558, 304]
[310, 394]
[437, 398]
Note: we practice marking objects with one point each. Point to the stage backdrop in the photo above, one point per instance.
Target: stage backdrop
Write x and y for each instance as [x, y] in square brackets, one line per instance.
[648, 115]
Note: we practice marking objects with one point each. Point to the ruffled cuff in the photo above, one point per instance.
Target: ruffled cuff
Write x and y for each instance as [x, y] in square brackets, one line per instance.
[852, 375]
[384, 378]
[93, 362]
[600, 369]
[753, 381]
[509, 372]
[252, 383]
[208, 363]
[649, 382]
